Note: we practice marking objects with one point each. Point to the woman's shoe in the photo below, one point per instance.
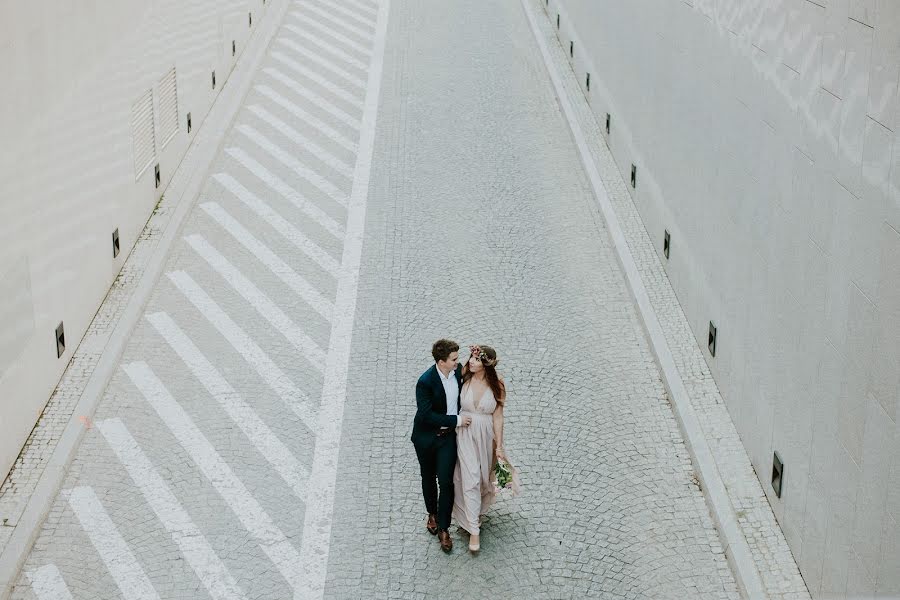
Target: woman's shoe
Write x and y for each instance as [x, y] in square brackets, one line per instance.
[474, 543]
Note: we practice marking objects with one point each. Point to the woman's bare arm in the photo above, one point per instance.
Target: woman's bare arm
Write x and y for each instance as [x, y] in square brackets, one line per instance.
[498, 426]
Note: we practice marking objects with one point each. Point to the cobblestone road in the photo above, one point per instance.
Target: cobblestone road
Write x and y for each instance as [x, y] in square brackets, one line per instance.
[204, 471]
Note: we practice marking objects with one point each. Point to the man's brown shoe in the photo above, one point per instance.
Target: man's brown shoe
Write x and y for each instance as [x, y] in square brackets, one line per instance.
[446, 542]
[431, 525]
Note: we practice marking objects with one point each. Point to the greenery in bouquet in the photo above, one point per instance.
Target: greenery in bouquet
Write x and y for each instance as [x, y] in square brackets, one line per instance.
[503, 475]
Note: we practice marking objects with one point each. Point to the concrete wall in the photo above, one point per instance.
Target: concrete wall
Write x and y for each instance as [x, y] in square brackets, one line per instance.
[87, 112]
[765, 135]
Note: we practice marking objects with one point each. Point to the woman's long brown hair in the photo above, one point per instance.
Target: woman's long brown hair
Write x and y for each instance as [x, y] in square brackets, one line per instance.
[490, 374]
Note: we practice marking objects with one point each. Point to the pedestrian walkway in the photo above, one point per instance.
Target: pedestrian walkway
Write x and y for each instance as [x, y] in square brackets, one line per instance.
[399, 171]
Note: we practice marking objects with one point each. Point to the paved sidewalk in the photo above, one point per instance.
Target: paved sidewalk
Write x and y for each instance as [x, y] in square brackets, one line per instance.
[207, 469]
[769, 554]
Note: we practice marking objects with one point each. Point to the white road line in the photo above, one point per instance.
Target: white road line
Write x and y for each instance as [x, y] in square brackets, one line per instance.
[282, 270]
[210, 570]
[325, 64]
[266, 442]
[108, 542]
[332, 134]
[279, 224]
[356, 16]
[324, 82]
[313, 97]
[337, 36]
[290, 194]
[365, 35]
[320, 498]
[329, 159]
[287, 159]
[274, 377]
[323, 155]
[262, 303]
[328, 47]
[366, 7]
[48, 584]
[244, 506]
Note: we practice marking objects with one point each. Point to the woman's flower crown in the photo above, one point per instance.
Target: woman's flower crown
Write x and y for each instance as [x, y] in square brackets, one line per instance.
[478, 353]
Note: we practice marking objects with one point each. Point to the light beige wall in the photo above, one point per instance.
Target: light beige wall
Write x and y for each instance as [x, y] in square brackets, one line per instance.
[70, 73]
[765, 133]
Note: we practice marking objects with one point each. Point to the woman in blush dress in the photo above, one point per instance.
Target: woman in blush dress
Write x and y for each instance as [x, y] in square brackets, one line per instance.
[479, 445]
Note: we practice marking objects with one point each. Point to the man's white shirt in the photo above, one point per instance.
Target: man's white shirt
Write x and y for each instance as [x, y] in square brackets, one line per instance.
[451, 389]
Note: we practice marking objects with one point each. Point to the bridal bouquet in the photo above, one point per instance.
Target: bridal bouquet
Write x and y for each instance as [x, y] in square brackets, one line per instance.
[503, 476]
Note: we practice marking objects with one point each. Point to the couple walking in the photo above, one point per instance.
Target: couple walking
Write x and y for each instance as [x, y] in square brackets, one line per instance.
[458, 437]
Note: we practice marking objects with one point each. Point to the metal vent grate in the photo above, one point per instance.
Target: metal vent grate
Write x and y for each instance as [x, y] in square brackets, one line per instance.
[142, 134]
[168, 107]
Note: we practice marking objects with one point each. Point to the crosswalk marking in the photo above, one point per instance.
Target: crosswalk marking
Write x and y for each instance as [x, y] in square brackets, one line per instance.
[325, 29]
[289, 193]
[324, 82]
[324, 63]
[274, 377]
[193, 545]
[323, 472]
[365, 35]
[313, 97]
[279, 223]
[48, 584]
[260, 301]
[282, 270]
[259, 434]
[321, 154]
[365, 7]
[357, 16]
[332, 134]
[287, 159]
[108, 542]
[244, 506]
[327, 47]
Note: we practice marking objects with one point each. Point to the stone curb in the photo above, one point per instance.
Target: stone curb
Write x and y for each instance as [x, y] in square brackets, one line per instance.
[736, 547]
[185, 188]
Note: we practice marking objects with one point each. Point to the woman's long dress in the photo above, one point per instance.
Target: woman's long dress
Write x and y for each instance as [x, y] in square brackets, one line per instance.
[473, 488]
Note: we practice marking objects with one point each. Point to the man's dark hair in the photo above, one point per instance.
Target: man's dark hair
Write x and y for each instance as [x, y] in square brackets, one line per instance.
[442, 349]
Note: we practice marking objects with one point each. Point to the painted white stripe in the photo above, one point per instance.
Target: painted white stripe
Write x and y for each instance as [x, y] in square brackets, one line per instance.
[366, 7]
[264, 306]
[356, 16]
[365, 35]
[327, 47]
[190, 540]
[108, 542]
[313, 97]
[244, 506]
[337, 36]
[274, 377]
[334, 90]
[285, 273]
[279, 224]
[289, 193]
[326, 157]
[333, 134]
[266, 442]
[48, 584]
[285, 158]
[321, 485]
[324, 63]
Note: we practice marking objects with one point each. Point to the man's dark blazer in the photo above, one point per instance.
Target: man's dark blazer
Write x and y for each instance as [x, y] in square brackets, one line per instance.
[431, 405]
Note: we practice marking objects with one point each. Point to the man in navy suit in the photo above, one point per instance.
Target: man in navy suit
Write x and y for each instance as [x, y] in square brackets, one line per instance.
[434, 435]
